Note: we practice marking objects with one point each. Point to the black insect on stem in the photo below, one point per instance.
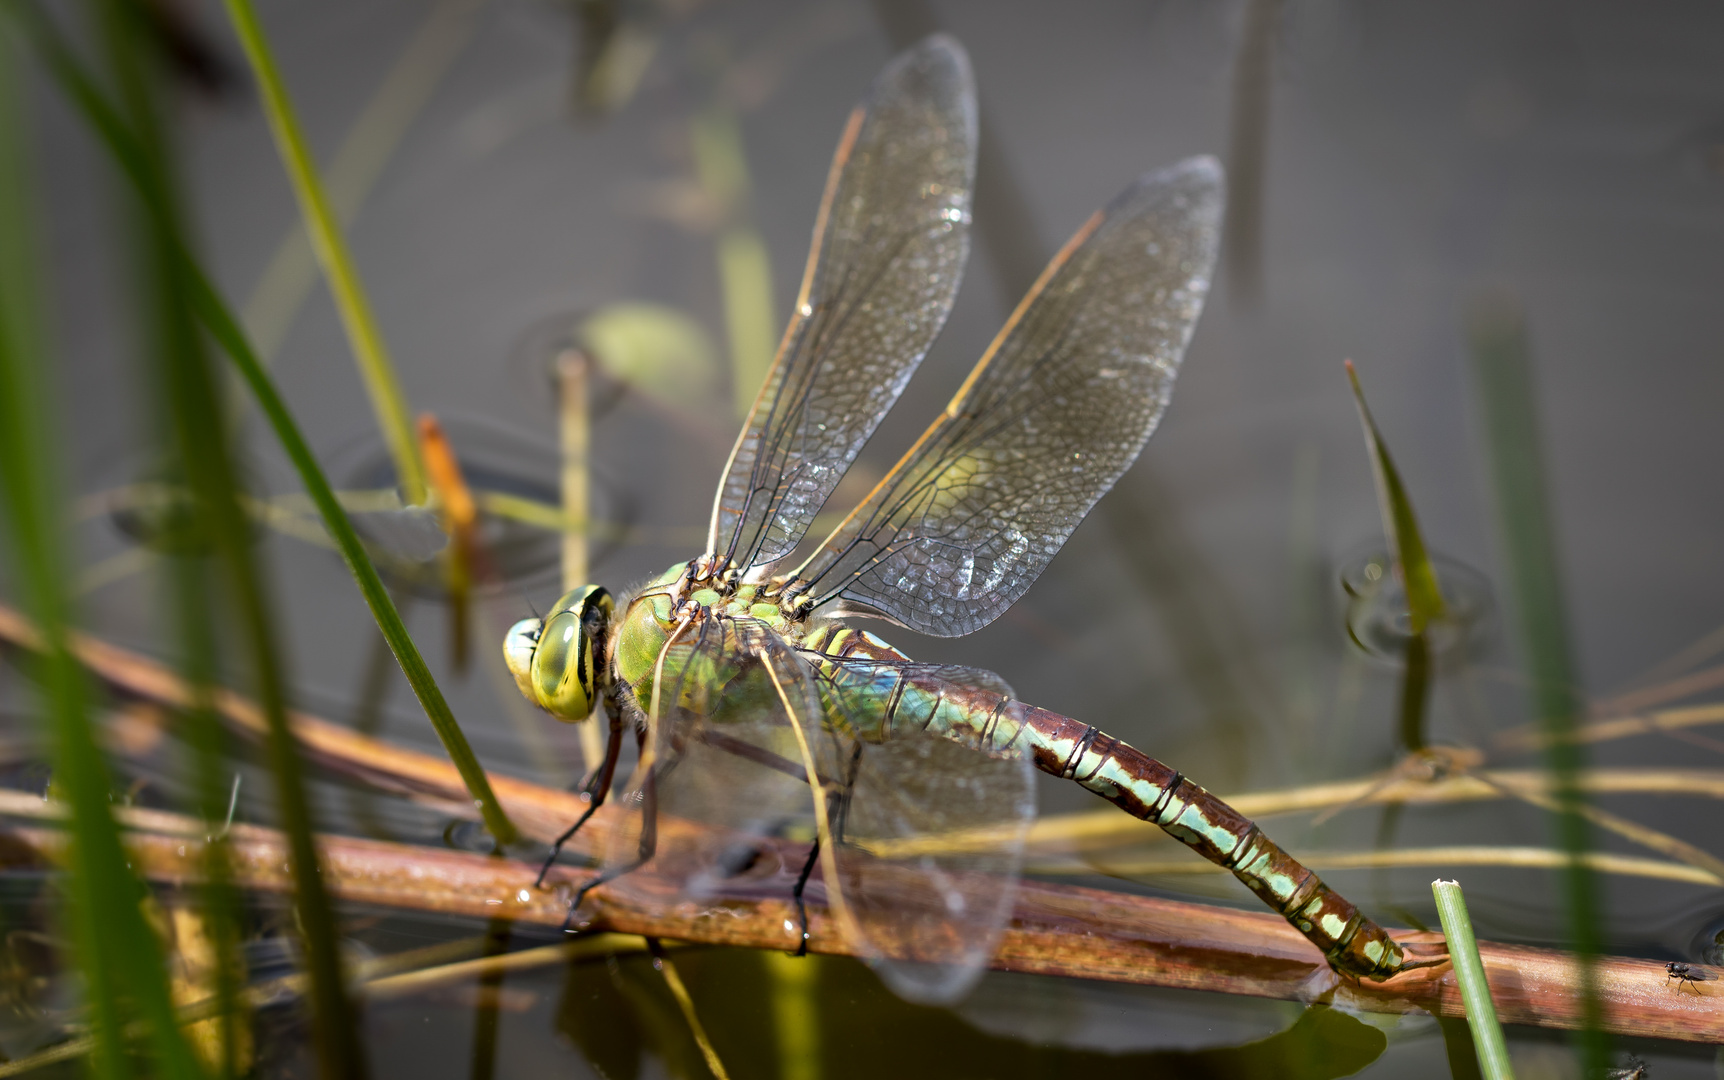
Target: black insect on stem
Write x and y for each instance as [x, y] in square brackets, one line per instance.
[1685, 975]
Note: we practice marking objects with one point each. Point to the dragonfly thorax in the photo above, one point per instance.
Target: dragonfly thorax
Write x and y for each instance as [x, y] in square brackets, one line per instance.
[683, 599]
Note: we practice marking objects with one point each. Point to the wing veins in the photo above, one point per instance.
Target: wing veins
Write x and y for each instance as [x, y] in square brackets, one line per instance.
[787, 430]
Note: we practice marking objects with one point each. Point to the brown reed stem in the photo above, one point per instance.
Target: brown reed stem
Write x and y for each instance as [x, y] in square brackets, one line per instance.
[1056, 930]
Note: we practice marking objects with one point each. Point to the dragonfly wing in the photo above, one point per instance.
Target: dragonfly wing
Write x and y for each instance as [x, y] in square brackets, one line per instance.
[1057, 408]
[740, 717]
[930, 831]
[889, 248]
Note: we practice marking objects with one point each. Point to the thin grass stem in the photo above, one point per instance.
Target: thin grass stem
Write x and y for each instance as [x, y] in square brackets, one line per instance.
[199, 448]
[219, 321]
[119, 956]
[744, 270]
[1470, 973]
[1502, 368]
[1400, 524]
[388, 402]
[1529, 858]
[1618, 727]
[365, 152]
[227, 333]
[1089, 830]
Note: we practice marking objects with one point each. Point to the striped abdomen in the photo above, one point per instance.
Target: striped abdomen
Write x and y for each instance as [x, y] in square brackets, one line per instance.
[883, 692]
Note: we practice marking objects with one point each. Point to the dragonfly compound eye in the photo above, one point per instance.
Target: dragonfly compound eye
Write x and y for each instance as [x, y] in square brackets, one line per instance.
[518, 646]
[562, 675]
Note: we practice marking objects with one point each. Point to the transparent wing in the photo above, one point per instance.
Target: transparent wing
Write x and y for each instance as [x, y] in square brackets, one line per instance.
[1058, 407]
[889, 248]
[721, 794]
[930, 826]
[726, 795]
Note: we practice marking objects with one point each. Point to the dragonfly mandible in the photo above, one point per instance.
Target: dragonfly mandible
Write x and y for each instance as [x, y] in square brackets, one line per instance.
[759, 712]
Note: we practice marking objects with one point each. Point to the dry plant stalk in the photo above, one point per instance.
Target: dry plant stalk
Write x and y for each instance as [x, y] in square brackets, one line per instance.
[1057, 929]
[543, 813]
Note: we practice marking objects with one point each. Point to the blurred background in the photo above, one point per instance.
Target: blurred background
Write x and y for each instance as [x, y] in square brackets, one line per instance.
[643, 177]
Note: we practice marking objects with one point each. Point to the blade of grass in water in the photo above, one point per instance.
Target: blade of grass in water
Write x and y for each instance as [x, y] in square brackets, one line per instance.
[119, 956]
[744, 271]
[225, 329]
[1418, 576]
[1502, 372]
[1400, 524]
[217, 916]
[1470, 973]
[365, 152]
[387, 400]
[181, 371]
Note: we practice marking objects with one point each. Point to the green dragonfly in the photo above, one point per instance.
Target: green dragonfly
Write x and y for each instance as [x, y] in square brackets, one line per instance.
[760, 715]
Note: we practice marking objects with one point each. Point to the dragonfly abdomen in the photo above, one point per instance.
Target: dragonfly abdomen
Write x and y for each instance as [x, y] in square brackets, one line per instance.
[868, 678]
[1147, 789]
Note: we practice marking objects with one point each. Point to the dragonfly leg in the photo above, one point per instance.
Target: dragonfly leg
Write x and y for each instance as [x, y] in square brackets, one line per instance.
[801, 904]
[597, 788]
[643, 854]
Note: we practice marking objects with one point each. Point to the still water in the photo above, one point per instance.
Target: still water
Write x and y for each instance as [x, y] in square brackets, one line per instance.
[511, 167]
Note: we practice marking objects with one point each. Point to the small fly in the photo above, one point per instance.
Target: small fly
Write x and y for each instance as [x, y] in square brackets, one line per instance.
[1684, 974]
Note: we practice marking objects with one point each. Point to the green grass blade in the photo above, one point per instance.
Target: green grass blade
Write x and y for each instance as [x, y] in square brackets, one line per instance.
[203, 730]
[225, 329]
[394, 419]
[120, 956]
[1415, 691]
[1400, 524]
[1502, 371]
[180, 372]
[744, 271]
[1470, 973]
[1418, 576]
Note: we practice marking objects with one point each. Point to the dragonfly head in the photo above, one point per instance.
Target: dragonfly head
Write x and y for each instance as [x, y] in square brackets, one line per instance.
[558, 661]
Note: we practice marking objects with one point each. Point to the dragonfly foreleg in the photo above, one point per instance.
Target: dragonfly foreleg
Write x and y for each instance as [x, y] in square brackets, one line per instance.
[597, 788]
[643, 853]
[801, 904]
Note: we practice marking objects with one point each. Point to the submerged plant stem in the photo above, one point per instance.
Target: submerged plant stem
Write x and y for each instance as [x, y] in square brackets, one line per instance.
[1415, 692]
[685, 1003]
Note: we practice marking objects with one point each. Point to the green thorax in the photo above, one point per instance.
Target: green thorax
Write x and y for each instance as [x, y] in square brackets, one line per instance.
[651, 617]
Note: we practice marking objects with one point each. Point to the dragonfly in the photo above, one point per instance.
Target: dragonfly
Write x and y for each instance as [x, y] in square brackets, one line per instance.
[761, 714]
